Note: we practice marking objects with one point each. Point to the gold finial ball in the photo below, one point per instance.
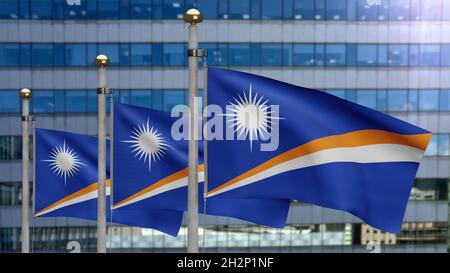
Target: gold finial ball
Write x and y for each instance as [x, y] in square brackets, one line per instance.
[193, 16]
[101, 60]
[25, 93]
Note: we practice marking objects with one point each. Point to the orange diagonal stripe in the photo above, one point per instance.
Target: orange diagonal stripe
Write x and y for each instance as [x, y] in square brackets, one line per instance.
[352, 139]
[83, 191]
[166, 180]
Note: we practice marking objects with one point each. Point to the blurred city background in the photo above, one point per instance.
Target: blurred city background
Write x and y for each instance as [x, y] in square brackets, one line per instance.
[390, 55]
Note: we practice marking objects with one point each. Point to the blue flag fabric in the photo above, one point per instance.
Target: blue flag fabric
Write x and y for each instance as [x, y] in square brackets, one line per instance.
[150, 171]
[66, 183]
[328, 151]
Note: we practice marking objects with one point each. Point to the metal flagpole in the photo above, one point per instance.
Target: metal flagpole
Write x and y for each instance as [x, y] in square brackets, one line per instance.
[34, 183]
[102, 62]
[111, 166]
[193, 17]
[26, 95]
[205, 144]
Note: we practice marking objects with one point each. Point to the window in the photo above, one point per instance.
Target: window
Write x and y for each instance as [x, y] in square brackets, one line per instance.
[124, 54]
[9, 9]
[10, 147]
[336, 10]
[92, 102]
[288, 9]
[444, 100]
[287, 54]
[367, 98]
[173, 9]
[429, 55]
[239, 9]
[271, 54]
[140, 9]
[239, 54]
[76, 55]
[255, 51]
[351, 54]
[124, 9]
[9, 55]
[432, 148]
[443, 144]
[413, 100]
[157, 9]
[141, 54]
[41, 9]
[43, 102]
[255, 9]
[271, 9]
[335, 55]
[367, 12]
[60, 101]
[304, 9]
[367, 55]
[304, 55]
[42, 54]
[398, 55]
[173, 98]
[381, 100]
[351, 9]
[76, 101]
[211, 59]
[382, 58]
[399, 10]
[445, 55]
[108, 9]
[9, 102]
[383, 10]
[431, 10]
[208, 8]
[58, 54]
[397, 100]
[320, 10]
[319, 54]
[24, 9]
[78, 11]
[428, 100]
[141, 98]
[413, 55]
[337, 93]
[110, 50]
[174, 54]
[158, 98]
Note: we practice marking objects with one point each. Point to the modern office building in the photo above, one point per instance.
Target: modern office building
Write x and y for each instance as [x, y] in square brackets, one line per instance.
[390, 55]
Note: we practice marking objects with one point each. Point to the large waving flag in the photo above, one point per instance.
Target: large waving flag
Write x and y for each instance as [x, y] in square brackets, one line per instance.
[150, 171]
[318, 148]
[66, 183]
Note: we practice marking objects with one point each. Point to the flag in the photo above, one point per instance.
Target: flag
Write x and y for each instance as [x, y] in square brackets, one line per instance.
[151, 170]
[66, 183]
[303, 144]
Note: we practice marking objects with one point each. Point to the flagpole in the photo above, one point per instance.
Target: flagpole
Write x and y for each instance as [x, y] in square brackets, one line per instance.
[25, 94]
[111, 166]
[34, 182]
[193, 17]
[102, 62]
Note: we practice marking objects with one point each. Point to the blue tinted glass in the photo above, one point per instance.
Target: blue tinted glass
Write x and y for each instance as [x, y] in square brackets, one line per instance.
[75, 54]
[157, 9]
[92, 102]
[383, 10]
[58, 54]
[91, 7]
[173, 9]
[271, 54]
[319, 55]
[255, 51]
[76, 101]
[320, 10]
[24, 9]
[271, 9]
[429, 55]
[108, 9]
[76, 11]
[239, 54]
[124, 9]
[42, 54]
[256, 9]
[367, 55]
[211, 59]
[335, 55]
[141, 54]
[304, 9]
[287, 54]
[222, 57]
[110, 50]
[382, 55]
[304, 54]
[141, 9]
[428, 100]
[208, 8]
[91, 53]
[337, 93]
[397, 100]
[158, 100]
[239, 9]
[9, 55]
[444, 100]
[413, 100]
[336, 10]
[157, 54]
[9, 102]
[445, 55]
[351, 9]
[43, 102]
[413, 55]
[9, 9]
[41, 9]
[399, 10]
[141, 98]
[124, 54]
[173, 98]
[124, 96]
[25, 54]
[367, 11]
[431, 10]
[60, 101]
[443, 144]
[174, 54]
[432, 146]
[351, 54]
[415, 10]
[350, 95]
[223, 9]
[398, 55]
[367, 98]
[288, 9]
[381, 100]
[446, 11]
